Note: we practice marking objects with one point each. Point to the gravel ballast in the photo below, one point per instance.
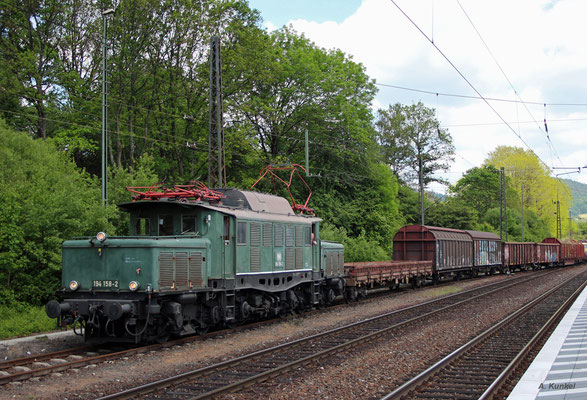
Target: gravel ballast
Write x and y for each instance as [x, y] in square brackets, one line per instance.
[367, 372]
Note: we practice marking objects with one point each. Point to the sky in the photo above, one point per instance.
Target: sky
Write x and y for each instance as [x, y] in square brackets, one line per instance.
[525, 50]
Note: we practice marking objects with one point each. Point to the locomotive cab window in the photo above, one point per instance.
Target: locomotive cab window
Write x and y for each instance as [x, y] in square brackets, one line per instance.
[307, 236]
[165, 225]
[142, 227]
[188, 224]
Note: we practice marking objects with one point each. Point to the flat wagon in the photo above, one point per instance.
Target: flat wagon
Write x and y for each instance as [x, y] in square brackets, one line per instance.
[377, 274]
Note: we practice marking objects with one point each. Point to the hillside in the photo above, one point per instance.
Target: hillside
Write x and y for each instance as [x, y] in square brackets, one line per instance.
[579, 191]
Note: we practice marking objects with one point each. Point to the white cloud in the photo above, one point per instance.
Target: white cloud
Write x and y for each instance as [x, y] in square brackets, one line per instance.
[540, 46]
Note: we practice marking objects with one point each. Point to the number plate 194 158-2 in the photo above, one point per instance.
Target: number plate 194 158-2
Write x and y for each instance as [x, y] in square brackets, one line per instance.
[105, 284]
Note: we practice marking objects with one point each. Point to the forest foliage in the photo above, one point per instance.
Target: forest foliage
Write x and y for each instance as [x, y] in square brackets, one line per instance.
[276, 86]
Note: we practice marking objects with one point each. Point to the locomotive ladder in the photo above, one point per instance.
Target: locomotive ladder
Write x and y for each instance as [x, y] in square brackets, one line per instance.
[317, 295]
[230, 306]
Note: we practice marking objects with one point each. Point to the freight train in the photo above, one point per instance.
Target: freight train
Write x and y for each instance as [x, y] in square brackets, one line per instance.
[433, 253]
[198, 258]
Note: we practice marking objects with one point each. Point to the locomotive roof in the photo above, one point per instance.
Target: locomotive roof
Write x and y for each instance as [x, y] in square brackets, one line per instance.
[238, 203]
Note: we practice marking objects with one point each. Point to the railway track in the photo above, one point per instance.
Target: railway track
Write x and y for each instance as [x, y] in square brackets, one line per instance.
[480, 368]
[55, 362]
[247, 370]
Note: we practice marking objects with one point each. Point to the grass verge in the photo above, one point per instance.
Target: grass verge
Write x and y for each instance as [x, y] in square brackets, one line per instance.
[19, 320]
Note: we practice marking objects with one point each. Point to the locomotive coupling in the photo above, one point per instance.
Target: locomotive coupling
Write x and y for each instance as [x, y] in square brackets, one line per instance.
[115, 310]
[54, 309]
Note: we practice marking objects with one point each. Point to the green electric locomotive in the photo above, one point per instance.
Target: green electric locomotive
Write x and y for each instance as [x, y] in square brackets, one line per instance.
[196, 259]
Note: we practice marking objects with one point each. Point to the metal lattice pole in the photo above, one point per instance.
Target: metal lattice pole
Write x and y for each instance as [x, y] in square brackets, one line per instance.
[216, 166]
[105, 14]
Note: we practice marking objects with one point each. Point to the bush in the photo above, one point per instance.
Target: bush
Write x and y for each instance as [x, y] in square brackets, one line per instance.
[21, 319]
[361, 248]
[44, 199]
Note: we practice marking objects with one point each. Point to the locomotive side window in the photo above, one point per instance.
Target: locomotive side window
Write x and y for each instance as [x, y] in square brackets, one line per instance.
[241, 234]
[188, 224]
[165, 225]
[226, 228]
[142, 227]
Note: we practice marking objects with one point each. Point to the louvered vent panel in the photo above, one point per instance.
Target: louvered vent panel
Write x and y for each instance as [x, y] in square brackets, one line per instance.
[278, 235]
[290, 255]
[181, 270]
[196, 269]
[340, 263]
[165, 269]
[289, 236]
[255, 234]
[329, 270]
[299, 236]
[255, 259]
[267, 235]
[299, 258]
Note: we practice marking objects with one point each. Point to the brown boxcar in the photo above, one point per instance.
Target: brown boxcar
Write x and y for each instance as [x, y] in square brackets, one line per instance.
[578, 251]
[547, 253]
[519, 255]
[450, 250]
[486, 250]
[570, 251]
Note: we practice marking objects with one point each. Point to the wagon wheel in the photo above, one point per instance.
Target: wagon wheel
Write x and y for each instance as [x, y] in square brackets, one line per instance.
[351, 295]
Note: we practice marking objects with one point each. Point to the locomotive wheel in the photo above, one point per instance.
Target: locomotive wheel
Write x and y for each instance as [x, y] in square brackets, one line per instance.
[162, 338]
[230, 324]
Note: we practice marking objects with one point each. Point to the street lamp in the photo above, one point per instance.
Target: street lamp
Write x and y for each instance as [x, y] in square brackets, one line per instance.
[105, 14]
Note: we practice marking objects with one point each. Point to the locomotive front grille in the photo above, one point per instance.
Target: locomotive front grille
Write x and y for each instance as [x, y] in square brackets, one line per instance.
[165, 269]
[177, 270]
[181, 269]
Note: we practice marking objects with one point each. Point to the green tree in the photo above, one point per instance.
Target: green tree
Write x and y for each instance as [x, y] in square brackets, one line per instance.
[142, 174]
[29, 59]
[479, 188]
[287, 85]
[452, 213]
[412, 142]
[44, 199]
[533, 182]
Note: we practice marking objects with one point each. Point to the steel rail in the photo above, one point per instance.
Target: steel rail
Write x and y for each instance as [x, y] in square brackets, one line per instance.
[535, 342]
[411, 385]
[42, 357]
[38, 372]
[202, 372]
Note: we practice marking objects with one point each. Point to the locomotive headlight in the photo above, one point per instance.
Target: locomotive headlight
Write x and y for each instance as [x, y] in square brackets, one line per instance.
[133, 285]
[101, 236]
[73, 285]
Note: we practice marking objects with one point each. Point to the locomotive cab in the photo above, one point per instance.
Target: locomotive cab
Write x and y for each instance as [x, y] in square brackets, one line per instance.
[119, 288]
